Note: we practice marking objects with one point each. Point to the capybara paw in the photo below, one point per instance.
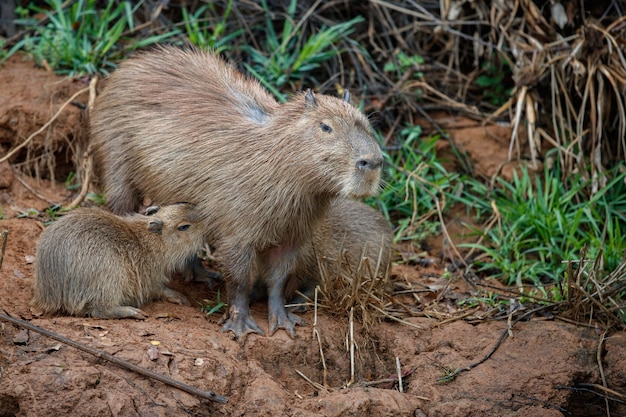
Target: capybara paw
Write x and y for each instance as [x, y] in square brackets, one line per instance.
[283, 319]
[241, 325]
[175, 297]
[120, 312]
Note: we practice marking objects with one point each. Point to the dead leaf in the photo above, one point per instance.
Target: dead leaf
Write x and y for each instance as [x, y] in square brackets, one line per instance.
[153, 353]
[21, 338]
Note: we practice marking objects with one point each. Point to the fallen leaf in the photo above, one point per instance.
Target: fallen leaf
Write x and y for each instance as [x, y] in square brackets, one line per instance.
[21, 338]
[153, 353]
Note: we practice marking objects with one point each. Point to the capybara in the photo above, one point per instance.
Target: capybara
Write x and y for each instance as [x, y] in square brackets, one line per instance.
[183, 125]
[349, 227]
[93, 263]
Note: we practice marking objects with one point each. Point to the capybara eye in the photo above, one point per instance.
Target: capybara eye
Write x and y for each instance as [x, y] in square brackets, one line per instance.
[325, 128]
[183, 227]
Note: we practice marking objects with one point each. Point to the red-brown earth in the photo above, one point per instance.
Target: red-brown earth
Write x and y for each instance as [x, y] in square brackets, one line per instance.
[536, 371]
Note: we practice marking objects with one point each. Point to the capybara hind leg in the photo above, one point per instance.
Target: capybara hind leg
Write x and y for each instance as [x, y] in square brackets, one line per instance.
[175, 297]
[119, 312]
[121, 197]
[281, 318]
[282, 261]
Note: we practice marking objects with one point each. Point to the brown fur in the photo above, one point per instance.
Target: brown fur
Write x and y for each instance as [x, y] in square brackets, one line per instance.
[91, 262]
[184, 125]
[351, 228]
[349, 231]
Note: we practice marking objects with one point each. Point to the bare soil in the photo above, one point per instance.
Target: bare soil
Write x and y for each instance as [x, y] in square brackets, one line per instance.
[537, 370]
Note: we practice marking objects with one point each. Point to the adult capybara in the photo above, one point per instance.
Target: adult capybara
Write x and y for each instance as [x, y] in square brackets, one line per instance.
[94, 263]
[349, 231]
[183, 125]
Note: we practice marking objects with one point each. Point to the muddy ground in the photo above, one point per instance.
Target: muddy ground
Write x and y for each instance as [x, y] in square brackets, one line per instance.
[544, 367]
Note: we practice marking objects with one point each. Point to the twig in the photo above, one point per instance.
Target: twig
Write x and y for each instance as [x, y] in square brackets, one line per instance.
[503, 336]
[313, 383]
[399, 370]
[209, 395]
[316, 333]
[4, 236]
[389, 316]
[87, 161]
[21, 180]
[352, 378]
[44, 127]
[599, 360]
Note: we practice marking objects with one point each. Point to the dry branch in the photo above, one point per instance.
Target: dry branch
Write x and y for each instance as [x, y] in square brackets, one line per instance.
[209, 395]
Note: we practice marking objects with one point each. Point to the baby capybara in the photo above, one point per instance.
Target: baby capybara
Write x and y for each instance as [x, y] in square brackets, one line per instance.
[93, 263]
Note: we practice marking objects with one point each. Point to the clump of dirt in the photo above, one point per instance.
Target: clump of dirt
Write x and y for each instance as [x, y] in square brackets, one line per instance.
[538, 369]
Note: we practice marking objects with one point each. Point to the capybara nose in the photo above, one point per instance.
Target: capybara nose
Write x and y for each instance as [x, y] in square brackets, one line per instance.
[369, 163]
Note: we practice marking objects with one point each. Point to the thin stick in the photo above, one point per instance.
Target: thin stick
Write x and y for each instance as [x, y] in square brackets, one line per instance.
[4, 236]
[351, 347]
[599, 360]
[316, 333]
[209, 395]
[34, 192]
[389, 316]
[87, 161]
[44, 127]
[399, 370]
[313, 383]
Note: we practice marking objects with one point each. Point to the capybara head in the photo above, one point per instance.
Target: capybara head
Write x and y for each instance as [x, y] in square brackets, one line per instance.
[341, 130]
[178, 225]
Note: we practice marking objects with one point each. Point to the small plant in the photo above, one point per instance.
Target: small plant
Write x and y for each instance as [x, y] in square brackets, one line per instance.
[403, 63]
[70, 182]
[31, 212]
[490, 299]
[96, 198]
[80, 38]
[206, 35]
[493, 81]
[287, 57]
[209, 307]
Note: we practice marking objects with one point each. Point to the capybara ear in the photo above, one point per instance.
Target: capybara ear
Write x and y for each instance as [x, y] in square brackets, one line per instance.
[156, 226]
[152, 210]
[346, 96]
[309, 100]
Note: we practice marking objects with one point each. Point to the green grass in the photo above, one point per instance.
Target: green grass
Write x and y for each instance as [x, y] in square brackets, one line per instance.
[79, 38]
[541, 222]
[287, 58]
[201, 32]
[416, 183]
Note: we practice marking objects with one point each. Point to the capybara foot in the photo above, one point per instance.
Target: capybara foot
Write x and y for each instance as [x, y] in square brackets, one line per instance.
[196, 272]
[175, 297]
[240, 323]
[280, 318]
[120, 312]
